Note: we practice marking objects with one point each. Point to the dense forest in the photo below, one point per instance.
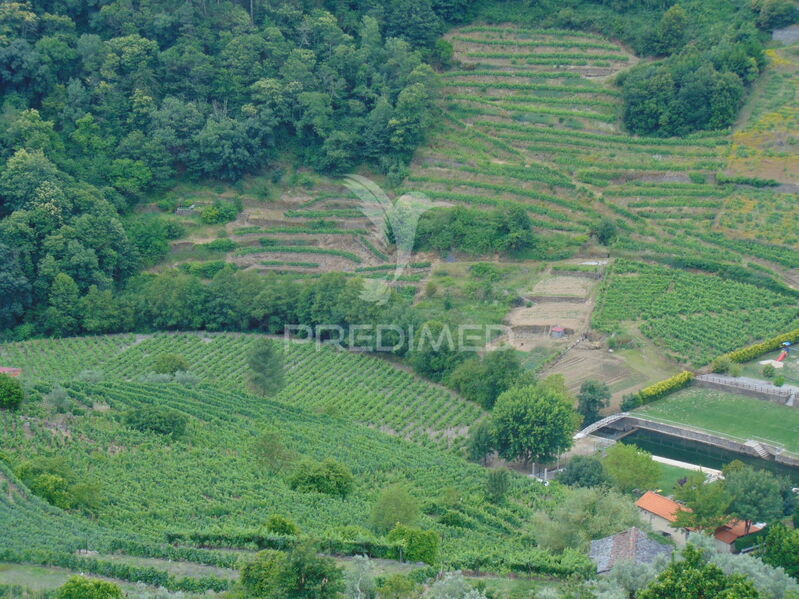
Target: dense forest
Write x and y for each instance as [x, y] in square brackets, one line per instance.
[105, 102]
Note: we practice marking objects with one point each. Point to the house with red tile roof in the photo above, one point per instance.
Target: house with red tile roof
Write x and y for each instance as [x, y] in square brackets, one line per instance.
[12, 372]
[661, 514]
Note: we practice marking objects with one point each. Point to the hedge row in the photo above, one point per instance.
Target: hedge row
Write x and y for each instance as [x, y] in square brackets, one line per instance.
[532, 561]
[663, 388]
[758, 349]
[256, 540]
[117, 570]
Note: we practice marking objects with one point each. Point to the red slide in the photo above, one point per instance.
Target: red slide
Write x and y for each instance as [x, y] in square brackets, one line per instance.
[783, 355]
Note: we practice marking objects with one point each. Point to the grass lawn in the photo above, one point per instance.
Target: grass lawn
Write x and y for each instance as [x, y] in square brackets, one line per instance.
[669, 475]
[733, 415]
[790, 371]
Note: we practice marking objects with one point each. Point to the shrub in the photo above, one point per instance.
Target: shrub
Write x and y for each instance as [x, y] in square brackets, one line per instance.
[260, 576]
[281, 525]
[721, 365]
[736, 370]
[156, 419]
[328, 477]
[170, 364]
[779, 381]
[80, 587]
[11, 393]
[394, 506]
[769, 371]
[419, 545]
[498, 484]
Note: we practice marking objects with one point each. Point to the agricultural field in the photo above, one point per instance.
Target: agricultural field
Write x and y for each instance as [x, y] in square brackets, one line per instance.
[136, 508]
[319, 378]
[735, 416]
[693, 317]
[298, 225]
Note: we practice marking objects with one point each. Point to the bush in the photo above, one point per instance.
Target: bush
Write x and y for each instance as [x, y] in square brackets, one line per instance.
[498, 484]
[769, 371]
[394, 506]
[584, 471]
[79, 587]
[260, 576]
[736, 370]
[419, 545]
[779, 381]
[280, 525]
[328, 477]
[156, 419]
[721, 365]
[11, 393]
[220, 212]
[170, 364]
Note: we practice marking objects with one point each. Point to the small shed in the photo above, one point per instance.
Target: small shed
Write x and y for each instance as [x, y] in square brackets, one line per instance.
[557, 332]
[12, 372]
[632, 545]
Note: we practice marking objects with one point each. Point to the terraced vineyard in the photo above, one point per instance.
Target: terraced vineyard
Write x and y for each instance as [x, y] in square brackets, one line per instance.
[352, 386]
[531, 119]
[209, 480]
[693, 316]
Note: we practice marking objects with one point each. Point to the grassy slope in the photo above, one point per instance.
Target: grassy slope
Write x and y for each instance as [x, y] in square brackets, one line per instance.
[732, 415]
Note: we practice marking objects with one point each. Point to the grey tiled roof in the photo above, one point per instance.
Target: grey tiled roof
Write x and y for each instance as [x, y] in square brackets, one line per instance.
[631, 545]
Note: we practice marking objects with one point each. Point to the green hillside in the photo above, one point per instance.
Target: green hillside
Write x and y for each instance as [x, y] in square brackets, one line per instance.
[319, 378]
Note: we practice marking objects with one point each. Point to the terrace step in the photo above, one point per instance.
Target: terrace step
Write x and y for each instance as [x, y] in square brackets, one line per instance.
[759, 448]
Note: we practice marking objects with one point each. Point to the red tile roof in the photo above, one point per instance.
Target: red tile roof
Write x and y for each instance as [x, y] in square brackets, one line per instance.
[733, 531]
[660, 506]
[10, 371]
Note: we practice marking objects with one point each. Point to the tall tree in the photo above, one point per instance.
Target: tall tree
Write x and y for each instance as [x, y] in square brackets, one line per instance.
[631, 468]
[593, 396]
[266, 367]
[755, 496]
[533, 422]
[708, 503]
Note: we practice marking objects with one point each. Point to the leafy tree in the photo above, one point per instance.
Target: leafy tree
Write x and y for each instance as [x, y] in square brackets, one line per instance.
[271, 451]
[773, 14]
[397, 586]
[266, 367]
[593, 396]
[483, 380]
[435, 352]
[328, 477]
[157, 419]
[584, 514]
[631, 468]
[584, 471]
[481, 441]
[418, 545]
[781, 549]
[281, 525]
[15, 288]
[755, 496]
[672, 29]
[11, 392]
[260, 576]
[359, 579]
[394, 506]
[533, 422]
[694, 577]
[170, 364]
[306, 575]
[605, 231]
[80, 587]
[708, 503]
[61, 317]
[498, 483]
